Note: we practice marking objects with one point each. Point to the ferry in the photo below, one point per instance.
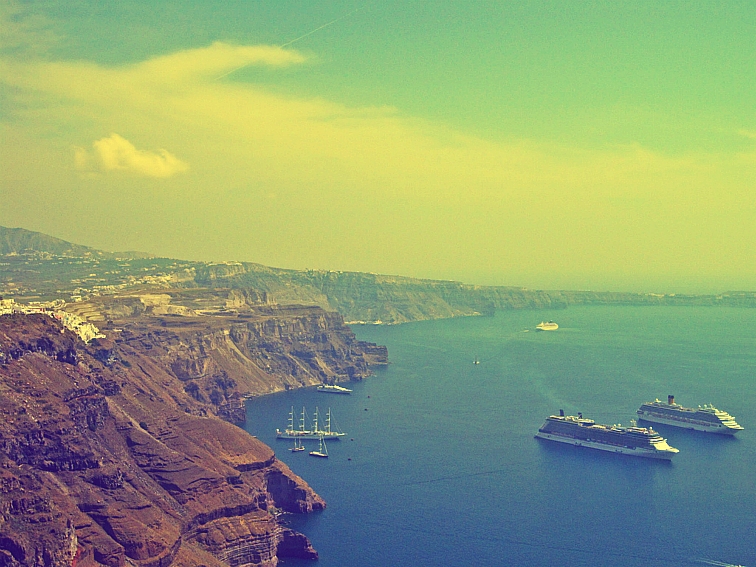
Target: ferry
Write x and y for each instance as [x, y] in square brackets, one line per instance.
[547, 326]
[581, 432]
[706, 418]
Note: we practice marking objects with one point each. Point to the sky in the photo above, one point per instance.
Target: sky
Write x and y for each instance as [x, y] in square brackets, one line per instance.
[551, 145]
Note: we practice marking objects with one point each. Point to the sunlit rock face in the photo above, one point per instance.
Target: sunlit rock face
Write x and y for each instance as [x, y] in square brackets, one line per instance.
[105, 458]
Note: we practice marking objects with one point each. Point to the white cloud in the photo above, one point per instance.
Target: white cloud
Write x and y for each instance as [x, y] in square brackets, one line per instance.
[118, 154]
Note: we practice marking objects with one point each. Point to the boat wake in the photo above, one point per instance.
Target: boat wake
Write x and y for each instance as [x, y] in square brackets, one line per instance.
[718, 563]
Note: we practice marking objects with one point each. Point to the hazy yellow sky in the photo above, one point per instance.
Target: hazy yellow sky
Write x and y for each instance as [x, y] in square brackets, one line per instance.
[599, 145]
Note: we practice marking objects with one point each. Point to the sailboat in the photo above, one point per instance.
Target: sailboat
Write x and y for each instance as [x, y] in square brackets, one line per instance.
[297, 445]
[322, 449]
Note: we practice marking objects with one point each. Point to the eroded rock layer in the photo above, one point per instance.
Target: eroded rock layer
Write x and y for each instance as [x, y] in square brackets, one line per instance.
[108, 458]
[225, 345]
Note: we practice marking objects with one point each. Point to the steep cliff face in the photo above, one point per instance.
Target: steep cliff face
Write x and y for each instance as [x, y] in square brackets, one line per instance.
[374, 297]
[106, 459]
[229, 344]
[246, 350]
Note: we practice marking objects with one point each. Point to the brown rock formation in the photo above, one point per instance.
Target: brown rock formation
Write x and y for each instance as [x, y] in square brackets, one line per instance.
[226, 345]
[107, 459]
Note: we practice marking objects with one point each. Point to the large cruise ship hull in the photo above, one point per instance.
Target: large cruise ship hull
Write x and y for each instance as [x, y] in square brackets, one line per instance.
[717, 428]
[635, 452]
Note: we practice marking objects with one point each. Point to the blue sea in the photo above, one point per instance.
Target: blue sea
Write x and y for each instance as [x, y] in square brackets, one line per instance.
[440, 467]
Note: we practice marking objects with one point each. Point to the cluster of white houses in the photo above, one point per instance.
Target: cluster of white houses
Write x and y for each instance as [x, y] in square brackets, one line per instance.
[54, 309]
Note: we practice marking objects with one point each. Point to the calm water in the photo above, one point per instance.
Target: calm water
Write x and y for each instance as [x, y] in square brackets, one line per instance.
[443, 468]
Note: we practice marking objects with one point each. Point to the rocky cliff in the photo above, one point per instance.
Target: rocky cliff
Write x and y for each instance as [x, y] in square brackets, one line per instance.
[225, 345]
[371, 298]
[108, 458]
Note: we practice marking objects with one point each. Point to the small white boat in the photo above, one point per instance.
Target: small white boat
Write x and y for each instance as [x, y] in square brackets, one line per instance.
[333, 389]
[547, 326]
[322, 451]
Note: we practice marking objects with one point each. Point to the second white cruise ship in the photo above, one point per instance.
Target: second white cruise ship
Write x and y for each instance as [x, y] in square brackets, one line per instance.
[706, 418]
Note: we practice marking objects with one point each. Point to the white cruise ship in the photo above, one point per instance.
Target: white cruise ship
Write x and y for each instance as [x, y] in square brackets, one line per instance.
[706, 418]
[581, 432]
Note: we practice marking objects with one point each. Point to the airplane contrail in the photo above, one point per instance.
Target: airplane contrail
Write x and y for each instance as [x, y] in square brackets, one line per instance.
[298, 38]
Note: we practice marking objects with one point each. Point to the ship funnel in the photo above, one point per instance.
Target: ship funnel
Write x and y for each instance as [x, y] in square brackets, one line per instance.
[670, 400]
[561, 413]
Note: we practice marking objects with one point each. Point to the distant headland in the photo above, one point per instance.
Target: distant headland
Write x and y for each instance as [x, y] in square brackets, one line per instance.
[35, 266]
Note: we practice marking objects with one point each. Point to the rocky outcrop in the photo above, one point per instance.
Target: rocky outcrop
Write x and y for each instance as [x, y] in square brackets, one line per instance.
[106, 459]
[223, 358]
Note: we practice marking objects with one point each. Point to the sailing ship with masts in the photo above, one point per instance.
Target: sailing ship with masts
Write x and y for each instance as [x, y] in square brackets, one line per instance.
[328, 432]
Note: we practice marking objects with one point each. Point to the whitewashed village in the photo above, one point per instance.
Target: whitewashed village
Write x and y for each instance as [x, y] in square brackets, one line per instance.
[86, 331]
